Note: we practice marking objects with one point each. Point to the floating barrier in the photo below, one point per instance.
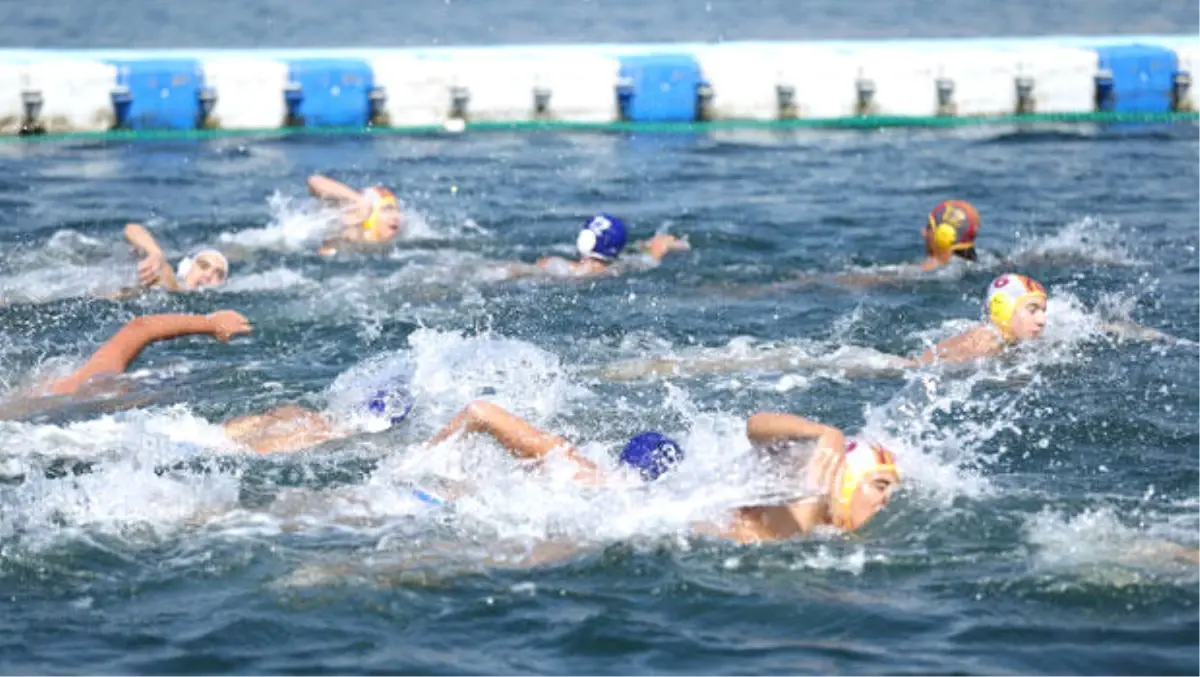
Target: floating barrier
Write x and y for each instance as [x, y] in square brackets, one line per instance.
[618, 87]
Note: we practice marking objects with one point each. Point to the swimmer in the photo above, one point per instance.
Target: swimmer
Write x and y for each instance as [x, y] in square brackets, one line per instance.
[292, 428]
[949, 235]
[115, 356]
[950, 232]
[202, 268]
[846, 481]
[370, 218]
[600, 243]
[1014, 312]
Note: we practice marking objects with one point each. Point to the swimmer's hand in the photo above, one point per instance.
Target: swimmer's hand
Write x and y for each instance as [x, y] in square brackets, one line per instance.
[225, 324]
[662, 244]
[149, 269]
[152, 269]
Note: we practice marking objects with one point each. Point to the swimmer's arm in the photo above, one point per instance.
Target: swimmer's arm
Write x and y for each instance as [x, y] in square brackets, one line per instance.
[545, 262]
[1124, 329]
[139, 237]
[662, 244]
[328, 189]
[153, 269]
[522, 439]
[972, 344]
[286, 428]
[123, 348]
[765, 428]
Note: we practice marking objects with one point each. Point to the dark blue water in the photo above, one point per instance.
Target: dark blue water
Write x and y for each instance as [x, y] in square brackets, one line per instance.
[1048, 495]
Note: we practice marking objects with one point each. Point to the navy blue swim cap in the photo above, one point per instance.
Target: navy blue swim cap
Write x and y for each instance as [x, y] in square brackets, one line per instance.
[652, 454]
[602, 237]
[391, 405]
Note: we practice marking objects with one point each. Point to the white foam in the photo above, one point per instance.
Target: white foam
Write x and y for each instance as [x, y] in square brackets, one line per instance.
[121, 495]
[1103, 546]
[69, 264]
[1087, 240]
[297, 224]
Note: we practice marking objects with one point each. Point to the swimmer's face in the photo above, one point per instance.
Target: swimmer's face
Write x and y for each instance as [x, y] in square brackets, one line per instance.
[207, 271]
[1029, 319]
[387, 223]
[872, 494]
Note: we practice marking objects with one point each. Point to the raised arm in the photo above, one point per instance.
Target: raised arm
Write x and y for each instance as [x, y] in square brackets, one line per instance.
[765, 428]
[329, 189]
[522, 439]
[115, 355]
[153, 268]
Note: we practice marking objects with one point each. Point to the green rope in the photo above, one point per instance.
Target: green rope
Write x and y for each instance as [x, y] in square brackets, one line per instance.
[864, 122]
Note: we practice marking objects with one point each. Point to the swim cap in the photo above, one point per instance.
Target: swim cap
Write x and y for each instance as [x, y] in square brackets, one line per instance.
[1005, 295]
[378, 197]
[953, 225]
[652, 454]
[186, 263]
[390, 405]
[602, 238]
[862, 458]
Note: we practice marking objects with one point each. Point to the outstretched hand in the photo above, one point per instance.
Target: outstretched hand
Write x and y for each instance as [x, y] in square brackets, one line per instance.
[662, 244]
[228, 323]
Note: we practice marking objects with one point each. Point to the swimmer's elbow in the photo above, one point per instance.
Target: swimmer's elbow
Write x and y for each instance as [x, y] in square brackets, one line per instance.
[315, 183]
[482, 411]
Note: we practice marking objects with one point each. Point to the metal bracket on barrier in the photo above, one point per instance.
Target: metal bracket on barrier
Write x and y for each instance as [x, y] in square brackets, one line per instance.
[1105, 96]
[460, 98]
[541, 102]
[785, 101]
[1026, 101]
[704, 102]
[377, 115]
[1181, 92]
[31, 101]
[865, 104]
[208, 101]
[624, 97]
[945, 97]
[293, 94]
[122, 99]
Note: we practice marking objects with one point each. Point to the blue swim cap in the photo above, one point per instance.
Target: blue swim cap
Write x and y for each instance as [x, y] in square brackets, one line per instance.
[602, 237]
[391, 405]
[652, 454]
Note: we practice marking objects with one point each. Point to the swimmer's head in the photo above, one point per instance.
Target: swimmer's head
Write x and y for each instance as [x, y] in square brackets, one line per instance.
[951, 229]
[1017, 306]
[205, 268]
[388, 407]
[866, 482]
[651, 454]
[383, 222]
[602, 238]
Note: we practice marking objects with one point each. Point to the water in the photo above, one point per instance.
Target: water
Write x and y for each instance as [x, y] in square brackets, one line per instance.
[1038, 492]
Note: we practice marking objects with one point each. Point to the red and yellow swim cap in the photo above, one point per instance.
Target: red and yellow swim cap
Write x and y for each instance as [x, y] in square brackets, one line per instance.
[378, 197]
[953, 226]
[862, 458]
[1005, 295]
